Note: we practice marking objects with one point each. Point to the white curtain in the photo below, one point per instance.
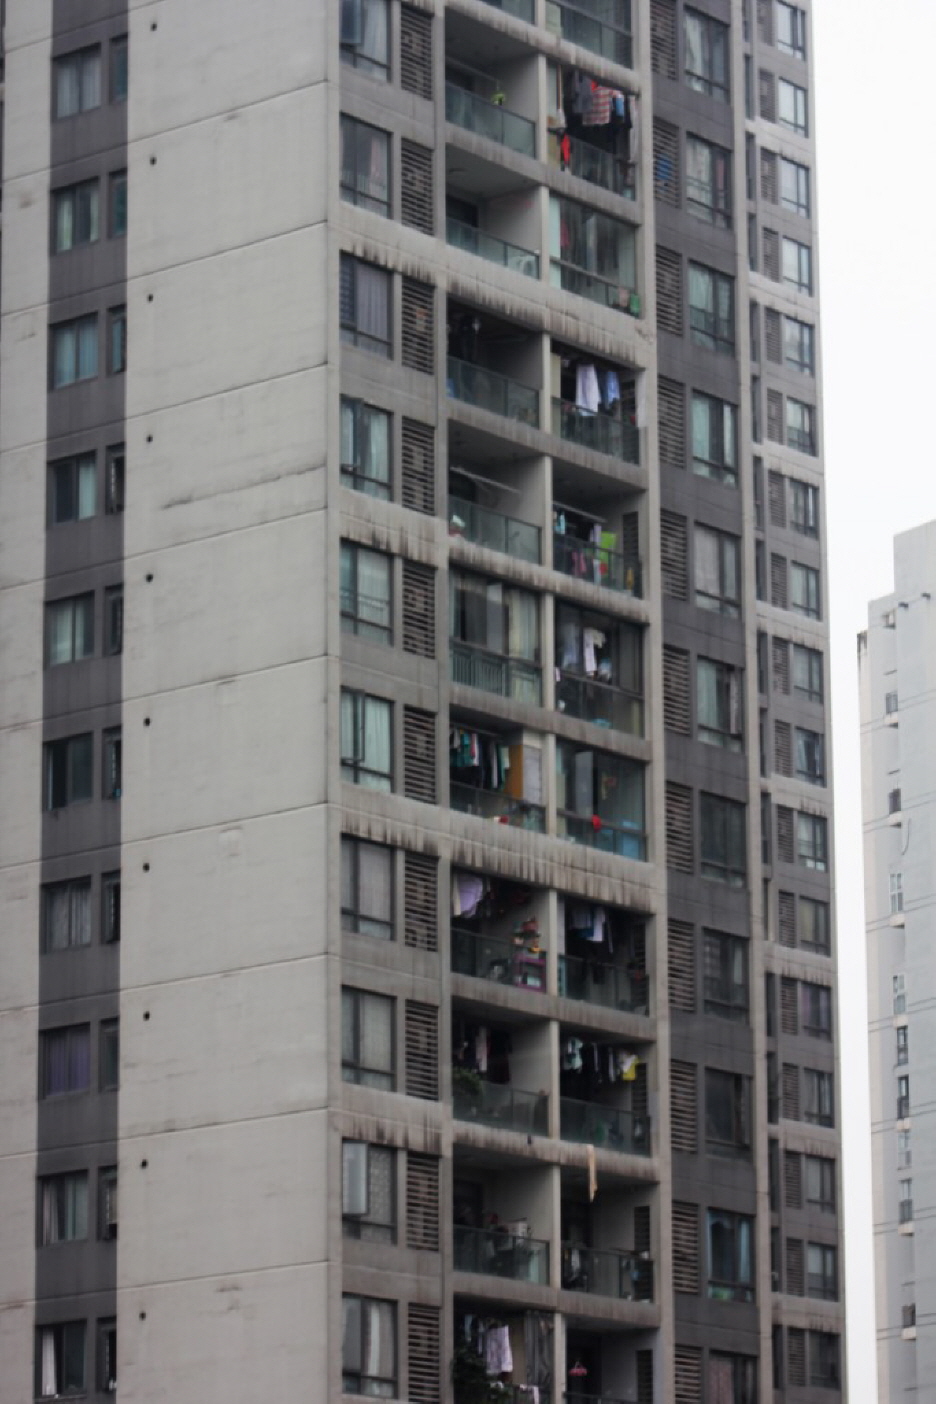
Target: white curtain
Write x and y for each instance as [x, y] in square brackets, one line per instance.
[49, 1375]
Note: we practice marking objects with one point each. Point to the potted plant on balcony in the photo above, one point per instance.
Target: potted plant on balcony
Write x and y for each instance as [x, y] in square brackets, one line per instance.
[466, 1090]
[471, 1383]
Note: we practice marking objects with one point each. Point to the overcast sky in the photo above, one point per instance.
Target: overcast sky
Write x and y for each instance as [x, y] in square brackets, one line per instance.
[874, 111]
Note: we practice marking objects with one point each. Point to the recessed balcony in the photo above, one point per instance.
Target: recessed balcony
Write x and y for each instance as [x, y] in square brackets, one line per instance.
[499, 1253]
[490, 390]
[490, 118]
[601, 26]
[497, 1104]
[607, 1272]
[607, 1128]
[460, 235]
[485, 526]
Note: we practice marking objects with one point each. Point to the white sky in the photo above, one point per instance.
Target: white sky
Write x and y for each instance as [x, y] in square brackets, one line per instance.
[875, 85]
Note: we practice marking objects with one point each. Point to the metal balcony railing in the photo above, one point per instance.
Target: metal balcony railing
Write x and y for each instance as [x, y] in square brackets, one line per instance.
[607, 985]
[609, 1128]
[493, 529]
[475, 241]
[582, 560]
[491, 391]
[607, 1273]
[501, 1254]
[492, 672]
[603, 433]
[599, 703]
[601, 168]
[489, 119]
[497, 958]
[596, 288]
[601, 834]
[495, 804]
[499, 1105]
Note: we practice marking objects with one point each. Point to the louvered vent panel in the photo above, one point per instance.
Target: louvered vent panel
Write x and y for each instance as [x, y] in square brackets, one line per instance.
[419, 755]
[676, 711]
[685, 1247]
[415, 52]
[795, 1278]
[783, 748]
[421, 1039]
[683, 1114]
[793, 1179]
[420, 892]
[422, 1201]
[790, 1092]
[775, 416]
[784, 834]
[776, 496]
[679, 848]
[419, 619]
[767, 95]
[773, 336]
[669, 291]
[418, 326]
[666, 174]
[765, 21]
[671, 404]
[674, 553]
[778, 581]
[663, 37]
[786, 908]
[780, 652]
[796, 1357]
[418, 455]
[425, 1355]
[644, 1376]
[771, 248]
[688, 1375]
[768, 176]
[681, 939]
[789, 1021]
[416, 186]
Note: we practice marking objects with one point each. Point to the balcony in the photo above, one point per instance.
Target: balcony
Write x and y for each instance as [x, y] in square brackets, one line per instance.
[497, 1104]
[491, 391]
[607, 1273]
[494, 804]
[606, 293]
[495, 530]
[586, 23]
[599, 703]
[477, 114]
[602, 433]
[488, 246]
[598, 167]
[603, 835]
[498, 1253]
[492, 672]
[608, 1128]
[607, 985]
[518, 961]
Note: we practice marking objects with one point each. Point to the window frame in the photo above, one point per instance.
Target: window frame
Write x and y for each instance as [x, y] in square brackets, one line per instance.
[355, 615]
[796, 98]
[82, 61]
[819, 1097]
[805, 590]
[77, 206]
[110, 907]
[726, 545]
[82, 355]
[712, 326]
[732, 1092]
[819, 1195]
[799, 345]
[360, 1223]
[738, 1284]
[63, 1208]
[800, 283]
[712, 35]
[825, 1363]
[814, 904]
[72, 489]
[115, 472]
[353, 25]
[112, 763]
[808, 661]
[743, 1371]
[353, 917]
[718, 812]
[726, 727]
[77, 615]
[812, 841]
[117, 204]
[804, 507]
[119, 66]
[69, 1347]
[116, 340]
[355, 190]
[355, 1004]
[75, 1040]
[356, 474]
[724, 995]
[795, 187]
[801, 426]
[64, 760]
[809, 749]
[357, 1352]
[719, 439]
[795, 45]
[708, 195]
[108, 1189]
[109, 1055]
[815, 1002]
[355, 769]
[351, 271]
[78, 918]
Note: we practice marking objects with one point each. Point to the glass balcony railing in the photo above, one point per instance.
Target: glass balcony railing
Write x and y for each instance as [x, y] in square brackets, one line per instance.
[497, 958]
[489, 119]
[609, 1128]
[491, 391]
[602, 834]
[493, 529]
[492, 672]
[597, 565]
[494, 804]
[599, 703]
[520, 9]
[607, 1273]
[607, 985]
[602, 432]
[475, 241]
[497, 1104]
[501, 1254]
[604, 291]
[599, 167]
[585, 23]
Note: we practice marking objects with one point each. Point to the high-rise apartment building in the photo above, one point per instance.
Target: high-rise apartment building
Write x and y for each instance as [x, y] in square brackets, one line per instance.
[896, 664]
[415, 843]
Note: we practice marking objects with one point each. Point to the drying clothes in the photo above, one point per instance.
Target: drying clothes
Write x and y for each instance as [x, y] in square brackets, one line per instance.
[572, 1055]
[592, 639]
[599, 108]
[498, 1357]
[467, 891]
[565, 151]
[586, 388]
[481, 1049]
[610, 389]
[625, 1065]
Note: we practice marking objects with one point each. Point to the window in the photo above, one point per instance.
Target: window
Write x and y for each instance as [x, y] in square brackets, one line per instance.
[582, 243]
[117, 340]
[801, 426]
[112, 756]
[719, 704]
[717, 571]
[820, 1183]
[819, 1109]
[367, 888]
[790, 29]
[113, 619]
[119, 69]
[68, 775]
[365, 165]
[724, 855]
[365, 297]
[899, 984]
[75, 216]
[797, 265]
[905, 1201]
[366, 740]
[807, 672]
[78, 82]
[727, 1113]
[69, 630]
[896, 893]
[368, 1192]
[110, 907]
[732, 1379]
[792, 107]
[805, 594]
[714, 439]
[794, 187]
[74, 351]
[365, 36]
[368, 1353]
[731, 1256]
[904, 1150]
[815, 1009]
[117, 205]
[726, 975]
[810, 756]
[814, 928]
[107, 1203]
[365, 448]
[60, 1359]
[799, 351]
[812, 842]
[63, 1207]
[708, 182]
[109, 1054]
[367, 1042]
[711, 309]
[903, 1097]
[72, 489]
[903, 1045]
[66, 914]
[107, 1354]
[114, 480]
[495, 631]
[706, 55]
[824, 1371]
[65, 1060]
[365, 592]
[600, 800]
[804, 504]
